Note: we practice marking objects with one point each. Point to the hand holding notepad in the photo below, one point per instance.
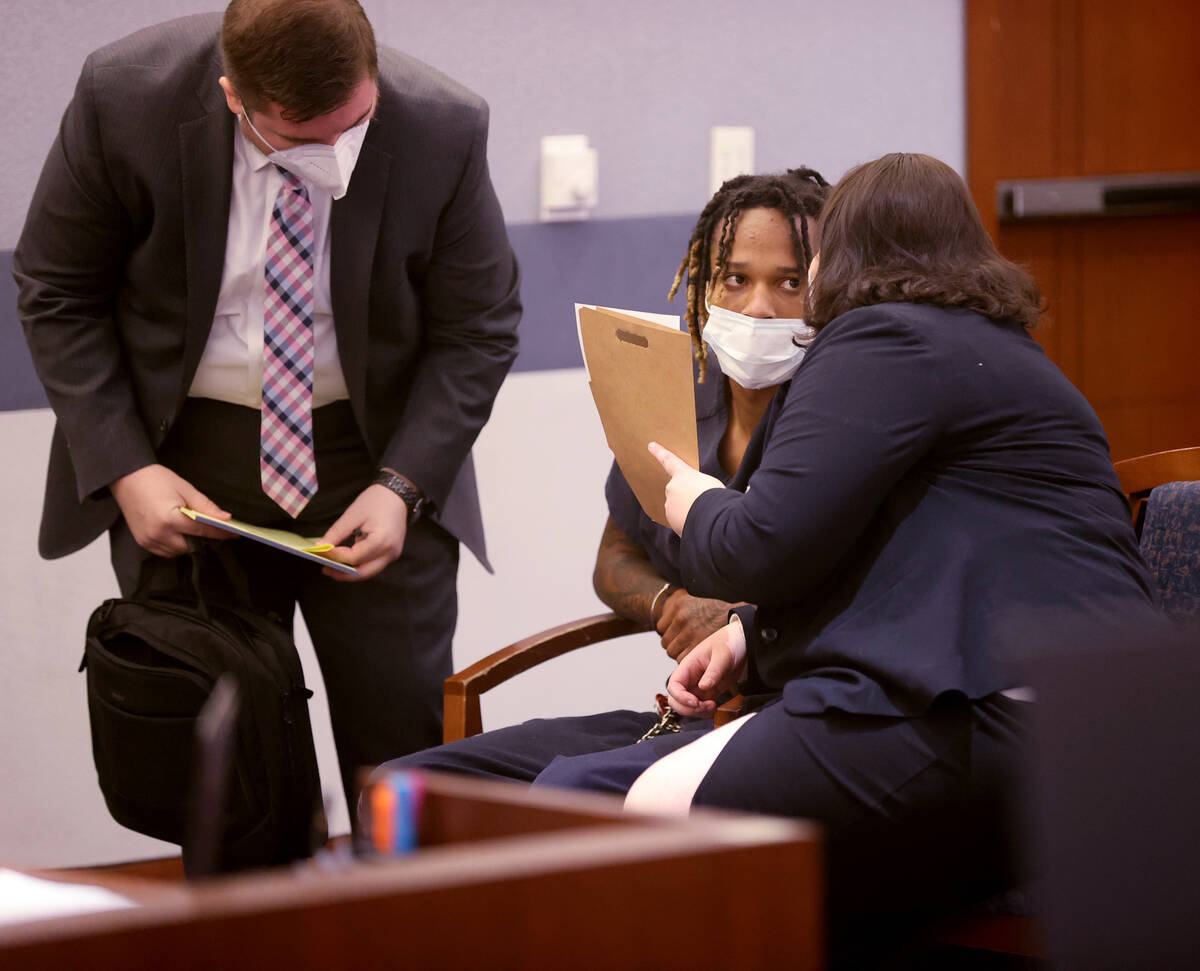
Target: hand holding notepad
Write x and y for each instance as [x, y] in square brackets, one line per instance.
[305, 548]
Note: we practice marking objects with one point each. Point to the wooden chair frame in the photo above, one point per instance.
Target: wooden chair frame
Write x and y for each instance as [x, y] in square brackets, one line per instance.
[461, 693]
[1141, 474]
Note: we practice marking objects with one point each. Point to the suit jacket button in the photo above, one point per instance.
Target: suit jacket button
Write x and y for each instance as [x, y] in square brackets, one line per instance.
[164, 425]
[768, 635]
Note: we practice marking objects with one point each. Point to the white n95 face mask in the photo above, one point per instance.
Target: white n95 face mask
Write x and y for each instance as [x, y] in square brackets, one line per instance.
[756, 352]
[327, 167]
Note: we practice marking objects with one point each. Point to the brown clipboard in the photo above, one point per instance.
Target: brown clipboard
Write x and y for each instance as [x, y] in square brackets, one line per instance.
[641, 381]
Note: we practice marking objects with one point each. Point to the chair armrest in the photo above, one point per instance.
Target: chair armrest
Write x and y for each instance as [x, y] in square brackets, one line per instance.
[462, 690]
[729, 711]
[1143, 473]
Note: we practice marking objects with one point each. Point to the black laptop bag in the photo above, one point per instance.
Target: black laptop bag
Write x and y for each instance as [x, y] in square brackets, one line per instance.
[151, 665]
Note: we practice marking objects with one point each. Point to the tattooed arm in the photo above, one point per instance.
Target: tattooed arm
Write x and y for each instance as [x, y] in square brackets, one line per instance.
[627, 581]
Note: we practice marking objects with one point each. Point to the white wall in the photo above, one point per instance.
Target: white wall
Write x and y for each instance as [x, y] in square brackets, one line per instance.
[827, 84]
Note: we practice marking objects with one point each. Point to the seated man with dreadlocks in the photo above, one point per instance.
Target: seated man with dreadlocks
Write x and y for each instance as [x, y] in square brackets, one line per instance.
[746, 266]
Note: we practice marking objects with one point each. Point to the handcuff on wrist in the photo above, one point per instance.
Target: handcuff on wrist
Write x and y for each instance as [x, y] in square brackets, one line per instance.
[668, 718]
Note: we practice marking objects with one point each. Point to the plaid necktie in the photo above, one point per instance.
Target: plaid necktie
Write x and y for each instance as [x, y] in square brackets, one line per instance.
[287, 465]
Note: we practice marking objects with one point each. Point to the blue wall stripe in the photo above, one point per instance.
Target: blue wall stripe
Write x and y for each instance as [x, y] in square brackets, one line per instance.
[611, 262]
[19, 386]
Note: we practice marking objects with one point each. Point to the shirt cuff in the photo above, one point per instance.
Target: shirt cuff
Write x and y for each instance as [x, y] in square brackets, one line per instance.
[736, 641]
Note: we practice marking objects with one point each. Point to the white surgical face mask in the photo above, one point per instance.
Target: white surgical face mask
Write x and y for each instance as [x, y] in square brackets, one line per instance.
[755, 352]
[327, 167]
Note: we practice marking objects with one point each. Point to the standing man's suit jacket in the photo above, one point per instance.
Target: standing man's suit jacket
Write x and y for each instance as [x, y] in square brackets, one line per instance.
[120, 263]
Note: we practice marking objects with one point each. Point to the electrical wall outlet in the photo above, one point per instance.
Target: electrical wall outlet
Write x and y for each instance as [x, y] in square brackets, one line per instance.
[569, 178]
[731, 153]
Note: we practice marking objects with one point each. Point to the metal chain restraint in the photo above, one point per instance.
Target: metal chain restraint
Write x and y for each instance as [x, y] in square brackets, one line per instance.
[668, 719]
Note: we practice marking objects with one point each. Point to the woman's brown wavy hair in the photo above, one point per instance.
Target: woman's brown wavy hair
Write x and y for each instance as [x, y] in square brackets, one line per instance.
[904, 229]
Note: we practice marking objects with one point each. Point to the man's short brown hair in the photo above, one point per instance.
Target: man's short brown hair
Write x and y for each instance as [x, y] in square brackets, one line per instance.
[307, 56]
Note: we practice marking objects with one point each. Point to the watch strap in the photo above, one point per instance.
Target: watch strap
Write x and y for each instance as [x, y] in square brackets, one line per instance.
[413, 497]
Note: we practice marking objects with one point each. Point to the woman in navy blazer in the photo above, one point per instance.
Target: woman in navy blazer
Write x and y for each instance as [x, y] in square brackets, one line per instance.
[934, 497]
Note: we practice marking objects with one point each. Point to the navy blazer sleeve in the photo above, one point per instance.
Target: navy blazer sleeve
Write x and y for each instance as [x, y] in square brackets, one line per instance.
[865, 406]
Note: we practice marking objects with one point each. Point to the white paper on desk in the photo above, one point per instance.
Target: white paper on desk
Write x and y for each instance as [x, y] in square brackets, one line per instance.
[667, 320]
[23, 898]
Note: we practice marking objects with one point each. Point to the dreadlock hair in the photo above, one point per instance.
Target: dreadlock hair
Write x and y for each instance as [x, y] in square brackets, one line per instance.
[797, 194]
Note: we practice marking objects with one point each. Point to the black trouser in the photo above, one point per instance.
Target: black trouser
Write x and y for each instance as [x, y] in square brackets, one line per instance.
[384, 644]
[918, 813]
[520, 753]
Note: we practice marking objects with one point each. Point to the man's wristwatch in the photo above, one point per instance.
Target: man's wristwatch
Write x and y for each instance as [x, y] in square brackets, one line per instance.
[413, 497]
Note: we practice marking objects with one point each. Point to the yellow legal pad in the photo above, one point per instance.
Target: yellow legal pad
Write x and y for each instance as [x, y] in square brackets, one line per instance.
[305, 548]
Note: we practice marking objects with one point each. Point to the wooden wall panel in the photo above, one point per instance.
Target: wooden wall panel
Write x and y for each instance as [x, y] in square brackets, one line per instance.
[1140, 86]
[1140, 314]
[1061, 88]
[1009, 125]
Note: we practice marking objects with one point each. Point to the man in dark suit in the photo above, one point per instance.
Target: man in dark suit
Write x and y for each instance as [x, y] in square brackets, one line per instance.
[312, 344]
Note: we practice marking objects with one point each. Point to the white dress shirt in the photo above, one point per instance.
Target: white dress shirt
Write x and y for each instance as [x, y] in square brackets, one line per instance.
[231, 366]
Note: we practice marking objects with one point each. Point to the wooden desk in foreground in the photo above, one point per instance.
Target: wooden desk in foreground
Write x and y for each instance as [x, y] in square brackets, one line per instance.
[507, 877]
